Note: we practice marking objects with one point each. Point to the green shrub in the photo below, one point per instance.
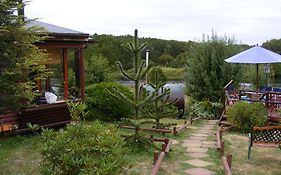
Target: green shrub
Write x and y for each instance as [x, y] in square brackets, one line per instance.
[204, 109]
[103, 105]
[97, 69]
[173, 74]
[95, 149]
[245, 115]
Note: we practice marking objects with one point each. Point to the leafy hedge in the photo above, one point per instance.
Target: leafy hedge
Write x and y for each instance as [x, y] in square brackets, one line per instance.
[246, 115]
[103, 105]
[81, 149]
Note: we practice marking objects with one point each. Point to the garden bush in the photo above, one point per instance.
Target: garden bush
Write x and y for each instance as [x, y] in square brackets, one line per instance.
[246, 115]
[206, 109]
[103, 105]
[81, 149]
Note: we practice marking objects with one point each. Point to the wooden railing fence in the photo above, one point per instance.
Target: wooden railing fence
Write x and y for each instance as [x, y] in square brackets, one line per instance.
[226, 160]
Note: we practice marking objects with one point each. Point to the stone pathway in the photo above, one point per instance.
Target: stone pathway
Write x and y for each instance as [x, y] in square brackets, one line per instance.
[197, 146]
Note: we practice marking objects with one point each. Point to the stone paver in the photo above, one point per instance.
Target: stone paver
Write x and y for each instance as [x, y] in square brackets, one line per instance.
[197, 150]
[208, 146]
[198, 155]
[197, 138]
[192, 141]
[192, 144]
[199, 171]
[208, 142]
[206, 132]
[208, 127]
[199, 135]
[197, 147]
[198, 163]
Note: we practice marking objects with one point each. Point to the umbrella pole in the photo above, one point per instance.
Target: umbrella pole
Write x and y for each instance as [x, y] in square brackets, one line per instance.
[257, 78]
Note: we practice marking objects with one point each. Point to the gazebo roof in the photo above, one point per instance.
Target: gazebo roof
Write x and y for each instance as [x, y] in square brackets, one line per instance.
[56, 30]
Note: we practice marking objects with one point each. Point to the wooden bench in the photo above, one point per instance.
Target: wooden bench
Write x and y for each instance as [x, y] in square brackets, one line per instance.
[264, 137]
[47, 115]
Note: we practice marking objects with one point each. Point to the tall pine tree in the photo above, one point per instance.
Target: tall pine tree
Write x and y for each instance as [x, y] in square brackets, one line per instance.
[206, 71]
[19, 58]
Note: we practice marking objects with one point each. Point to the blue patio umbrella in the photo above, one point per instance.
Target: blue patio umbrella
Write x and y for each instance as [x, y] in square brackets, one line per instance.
[255, 55]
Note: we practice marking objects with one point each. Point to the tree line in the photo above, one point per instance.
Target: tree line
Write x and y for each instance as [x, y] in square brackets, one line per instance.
[162, 52]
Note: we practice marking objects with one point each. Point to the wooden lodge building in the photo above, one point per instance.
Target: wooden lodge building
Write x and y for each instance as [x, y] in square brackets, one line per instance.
[65, 47]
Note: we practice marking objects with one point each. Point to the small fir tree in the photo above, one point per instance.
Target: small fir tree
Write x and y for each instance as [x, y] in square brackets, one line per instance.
[160, 106]
[138, 103]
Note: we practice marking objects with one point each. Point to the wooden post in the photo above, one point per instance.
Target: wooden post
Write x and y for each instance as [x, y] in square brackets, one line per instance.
[166, 141]
[65, 74]
[220, 133]
[155, 157]
[257, 79]
[82, 73]
[222, 149]
[229, 160]
[48, 81]
[77, 68]
[152, 138]
[164, 146]
[174, 130]
[39, 85]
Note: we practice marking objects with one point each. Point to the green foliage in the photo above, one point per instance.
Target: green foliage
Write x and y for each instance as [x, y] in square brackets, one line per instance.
[206, 71]
[246, 115]
[275, 46]
[179, 61]
[160, 107]
[110, 47]
[77, 110]
[97, 69]
[173, 74]
[157, 76]
[102, 103]
[204, 109]
[164, 59]
[19, 58]
[139, 101]
[81, 149]
[139, 71]
[138, 143]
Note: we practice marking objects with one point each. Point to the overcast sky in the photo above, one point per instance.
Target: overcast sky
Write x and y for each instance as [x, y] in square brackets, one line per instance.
[250, 21]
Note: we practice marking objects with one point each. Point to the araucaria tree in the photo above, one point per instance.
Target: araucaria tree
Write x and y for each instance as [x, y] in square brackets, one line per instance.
[139, 71]
[19, 59]
[160, 106]
[206, 71]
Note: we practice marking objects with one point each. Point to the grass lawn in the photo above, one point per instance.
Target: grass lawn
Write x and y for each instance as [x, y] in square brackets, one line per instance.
[264, 160]
[173, 74]
[21, 155]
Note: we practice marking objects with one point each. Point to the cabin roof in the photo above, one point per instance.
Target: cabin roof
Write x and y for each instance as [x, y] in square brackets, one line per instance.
[56, 30]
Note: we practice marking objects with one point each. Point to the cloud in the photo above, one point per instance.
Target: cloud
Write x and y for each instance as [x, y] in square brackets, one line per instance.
[252, 21]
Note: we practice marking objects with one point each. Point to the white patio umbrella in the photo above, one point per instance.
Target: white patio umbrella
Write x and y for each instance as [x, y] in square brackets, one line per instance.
[255, 55]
